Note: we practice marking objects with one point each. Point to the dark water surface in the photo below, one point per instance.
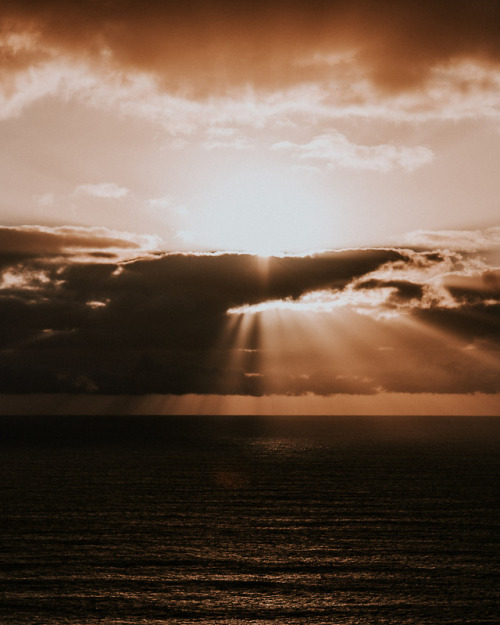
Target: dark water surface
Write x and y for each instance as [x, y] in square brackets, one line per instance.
[150, 520]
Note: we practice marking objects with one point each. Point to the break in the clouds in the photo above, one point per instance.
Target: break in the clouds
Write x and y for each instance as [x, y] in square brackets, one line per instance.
[337, 151]
[357, 321]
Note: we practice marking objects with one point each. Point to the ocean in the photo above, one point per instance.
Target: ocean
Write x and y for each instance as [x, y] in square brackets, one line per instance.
[249, 520]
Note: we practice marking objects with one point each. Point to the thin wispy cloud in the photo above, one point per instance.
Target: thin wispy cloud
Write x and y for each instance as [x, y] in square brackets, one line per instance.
[168, 204]
[468, 240]
[102, 190]
[336, 150]
[465, 92]
[47, 199]
[235, 143]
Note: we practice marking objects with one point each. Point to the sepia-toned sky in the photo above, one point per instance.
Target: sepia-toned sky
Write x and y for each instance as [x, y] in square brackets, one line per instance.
[253, 206]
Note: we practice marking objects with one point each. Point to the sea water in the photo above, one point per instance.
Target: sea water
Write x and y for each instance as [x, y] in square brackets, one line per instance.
[249, 520]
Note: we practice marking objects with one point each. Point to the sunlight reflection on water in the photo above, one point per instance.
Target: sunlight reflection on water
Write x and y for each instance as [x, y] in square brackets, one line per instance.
[244, 528]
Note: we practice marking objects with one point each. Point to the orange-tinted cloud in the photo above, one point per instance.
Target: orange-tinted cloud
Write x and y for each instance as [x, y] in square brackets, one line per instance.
[207, 47]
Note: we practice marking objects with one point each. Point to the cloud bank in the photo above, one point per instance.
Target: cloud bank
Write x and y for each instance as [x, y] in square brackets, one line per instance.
[359, 321]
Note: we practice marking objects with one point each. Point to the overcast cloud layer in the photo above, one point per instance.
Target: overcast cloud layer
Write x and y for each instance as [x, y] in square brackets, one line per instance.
[101, 322]
[192, 63]
[396, 43]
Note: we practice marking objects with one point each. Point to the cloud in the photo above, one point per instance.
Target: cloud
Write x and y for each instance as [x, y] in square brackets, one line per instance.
[37, 241]
[466, 240]
[45, 200]
[102, 190]
[222, 43]
[167, 204]
[159, 323]
[412, 283]
[200, 64]
[334, 148]
[463, 91]
[236, 143]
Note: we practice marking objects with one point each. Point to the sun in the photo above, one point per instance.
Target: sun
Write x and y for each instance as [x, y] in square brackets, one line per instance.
[264, 212]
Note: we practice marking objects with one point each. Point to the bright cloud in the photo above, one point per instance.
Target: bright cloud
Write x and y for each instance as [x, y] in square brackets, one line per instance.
[461, 91]
[467, 240]
[417, 281]
[337, 151]
[102, 190]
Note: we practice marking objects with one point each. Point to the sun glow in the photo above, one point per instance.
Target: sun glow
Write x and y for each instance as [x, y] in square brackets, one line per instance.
[262, 212]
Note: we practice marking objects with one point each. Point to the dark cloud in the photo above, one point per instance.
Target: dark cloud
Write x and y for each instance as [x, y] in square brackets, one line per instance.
[35, 240]
[405, 290]
[475, 289]
[210, 45]
[470, 321]
[160, 325]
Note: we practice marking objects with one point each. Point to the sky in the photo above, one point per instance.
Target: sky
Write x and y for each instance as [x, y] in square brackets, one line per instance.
[254, 207]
